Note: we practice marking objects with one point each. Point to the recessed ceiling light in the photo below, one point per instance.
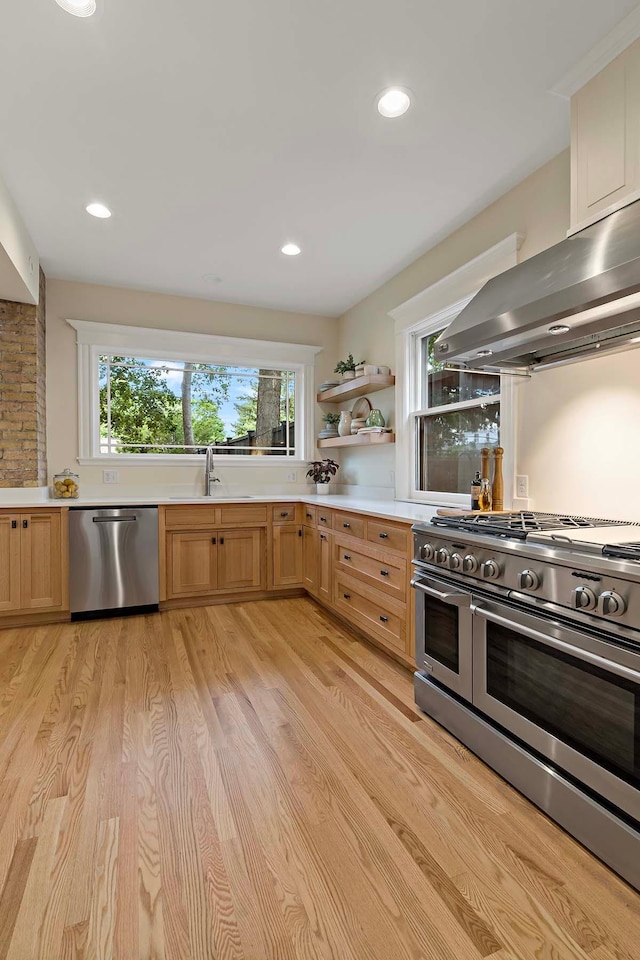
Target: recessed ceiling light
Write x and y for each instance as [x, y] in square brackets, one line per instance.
[484, 353]
[393, 102]
[291, 249]
[559, 328]
[98, 210]
[79, 8]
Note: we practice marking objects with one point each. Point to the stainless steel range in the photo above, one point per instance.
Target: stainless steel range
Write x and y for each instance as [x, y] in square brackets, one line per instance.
[528, 650]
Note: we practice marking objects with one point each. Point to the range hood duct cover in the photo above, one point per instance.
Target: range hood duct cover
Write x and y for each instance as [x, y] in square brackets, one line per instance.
[589, 282]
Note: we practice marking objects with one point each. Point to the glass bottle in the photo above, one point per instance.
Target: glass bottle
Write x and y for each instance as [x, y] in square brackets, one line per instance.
[485, 495]
[475, 491]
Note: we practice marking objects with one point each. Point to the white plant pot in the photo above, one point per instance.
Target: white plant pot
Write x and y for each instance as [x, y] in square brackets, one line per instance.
[349, 375]
[322, 489]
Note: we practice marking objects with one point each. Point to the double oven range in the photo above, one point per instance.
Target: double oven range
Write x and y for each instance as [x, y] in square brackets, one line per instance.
[528, 651]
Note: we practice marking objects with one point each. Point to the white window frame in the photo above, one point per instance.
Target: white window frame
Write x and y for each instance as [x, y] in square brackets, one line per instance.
[97, 339]
[431, 310]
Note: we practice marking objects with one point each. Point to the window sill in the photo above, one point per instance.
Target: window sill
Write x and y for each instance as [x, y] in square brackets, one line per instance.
[188, 460]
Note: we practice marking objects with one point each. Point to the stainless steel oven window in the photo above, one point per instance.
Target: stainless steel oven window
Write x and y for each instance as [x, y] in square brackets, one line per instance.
[589, 708]
[444, 634]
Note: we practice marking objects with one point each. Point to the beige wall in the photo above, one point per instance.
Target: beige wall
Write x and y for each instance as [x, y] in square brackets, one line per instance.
[556, 409]
[80, 301]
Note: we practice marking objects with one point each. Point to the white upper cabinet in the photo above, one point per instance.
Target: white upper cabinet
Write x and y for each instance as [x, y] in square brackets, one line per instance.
[605, 140]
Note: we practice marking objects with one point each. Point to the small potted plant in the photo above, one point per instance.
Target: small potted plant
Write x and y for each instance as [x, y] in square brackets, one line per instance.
[347, 368]
[331, 421]
[321, 472]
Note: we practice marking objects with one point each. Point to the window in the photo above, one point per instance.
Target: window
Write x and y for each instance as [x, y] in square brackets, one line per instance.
[459, 415]
[154, 396]
[179, 407]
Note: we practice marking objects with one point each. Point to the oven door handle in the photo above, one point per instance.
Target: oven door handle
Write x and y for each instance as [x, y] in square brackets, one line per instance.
[454, 598]
[607, 665]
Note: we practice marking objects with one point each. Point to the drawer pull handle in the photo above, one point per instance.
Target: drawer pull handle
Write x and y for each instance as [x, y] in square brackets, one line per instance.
[347, 596]
[383, 536]
[309, 516]
[300, 532]
[285, 514]
[14, 524]
[213, 539]
[347, 556]
[346, 525]
[323, 536]
[385, 619]
[222, 541]
[323, 519]
[384, 573]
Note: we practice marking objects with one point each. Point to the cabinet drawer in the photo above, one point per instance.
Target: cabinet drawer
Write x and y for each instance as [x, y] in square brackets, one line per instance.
[190, 517]
[388, 536]
[324, 517]
[309, 515]
[382, 571]
[239, 513]
[362, 605]
[284, 513]
[349, 523]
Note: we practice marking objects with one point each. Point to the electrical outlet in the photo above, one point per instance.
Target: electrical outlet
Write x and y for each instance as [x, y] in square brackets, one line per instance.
[110, 476]
[522, 486]
[292, 476]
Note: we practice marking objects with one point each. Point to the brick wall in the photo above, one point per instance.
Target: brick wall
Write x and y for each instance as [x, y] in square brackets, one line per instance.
[23, 433]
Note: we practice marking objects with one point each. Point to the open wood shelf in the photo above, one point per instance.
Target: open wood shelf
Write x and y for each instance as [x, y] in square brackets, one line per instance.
[358, 440]
[356, 388]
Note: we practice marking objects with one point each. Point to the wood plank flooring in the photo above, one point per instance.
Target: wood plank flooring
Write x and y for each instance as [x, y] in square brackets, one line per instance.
[251, 782]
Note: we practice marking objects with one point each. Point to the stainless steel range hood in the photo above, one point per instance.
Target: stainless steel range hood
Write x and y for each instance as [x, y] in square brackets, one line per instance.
[587, 287]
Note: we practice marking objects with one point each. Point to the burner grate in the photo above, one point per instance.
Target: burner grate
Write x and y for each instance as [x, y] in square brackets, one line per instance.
[519, 524]
[622, 551]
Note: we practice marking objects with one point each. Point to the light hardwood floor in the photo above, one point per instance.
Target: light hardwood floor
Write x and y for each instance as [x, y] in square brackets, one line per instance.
[250, 781]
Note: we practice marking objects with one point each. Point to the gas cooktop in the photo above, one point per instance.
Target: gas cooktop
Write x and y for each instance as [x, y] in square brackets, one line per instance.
[520, 524]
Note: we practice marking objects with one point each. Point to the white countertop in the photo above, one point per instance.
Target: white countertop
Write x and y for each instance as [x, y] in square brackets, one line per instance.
[386, 509]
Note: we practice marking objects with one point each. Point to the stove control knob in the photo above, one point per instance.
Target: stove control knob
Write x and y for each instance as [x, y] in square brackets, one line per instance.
[442, 555]
[611, 604]
[528, 580]
[455, 563]
[426, 551]
[490, 570]
[470, 564]
[582, 598]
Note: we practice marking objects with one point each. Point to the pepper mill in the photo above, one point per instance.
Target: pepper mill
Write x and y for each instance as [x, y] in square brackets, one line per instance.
[498, 483]
[485, 453]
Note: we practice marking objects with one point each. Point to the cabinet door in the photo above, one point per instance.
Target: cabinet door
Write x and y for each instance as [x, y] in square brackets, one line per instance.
[9, 563]
[310, 557]
[41, 560]
[287, 555]
[324, 567]
[240, 560]
[605, 139]
[191, 564]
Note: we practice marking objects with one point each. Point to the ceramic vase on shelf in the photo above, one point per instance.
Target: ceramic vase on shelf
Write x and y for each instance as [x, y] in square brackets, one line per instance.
[344, 427]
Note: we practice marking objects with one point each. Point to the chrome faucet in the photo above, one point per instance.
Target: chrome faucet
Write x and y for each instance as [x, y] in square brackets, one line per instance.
[209, 475]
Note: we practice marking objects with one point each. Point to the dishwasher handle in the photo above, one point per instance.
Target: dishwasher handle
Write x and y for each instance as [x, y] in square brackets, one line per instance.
[114, 519]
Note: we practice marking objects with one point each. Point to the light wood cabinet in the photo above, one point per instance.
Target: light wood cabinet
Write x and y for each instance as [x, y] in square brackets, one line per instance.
[605, 140]
[33, 562]
[240, 560]
[9, 563]
[209, 562]
[325, 572]
[192, 564]
[310, 559]
[288, 549]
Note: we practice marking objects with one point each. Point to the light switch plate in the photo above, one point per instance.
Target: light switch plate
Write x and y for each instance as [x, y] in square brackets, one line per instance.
[111, 476]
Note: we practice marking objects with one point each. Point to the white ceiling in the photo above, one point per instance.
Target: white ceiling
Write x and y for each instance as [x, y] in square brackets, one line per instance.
[218, 131]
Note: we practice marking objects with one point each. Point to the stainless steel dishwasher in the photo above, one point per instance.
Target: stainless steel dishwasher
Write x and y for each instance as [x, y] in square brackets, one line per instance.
[113, 557]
